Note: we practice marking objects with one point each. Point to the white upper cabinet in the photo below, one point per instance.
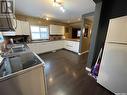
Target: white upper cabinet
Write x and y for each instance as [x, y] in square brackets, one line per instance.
[57, 30]
[23, 28]
[18, 28]
[117, 31]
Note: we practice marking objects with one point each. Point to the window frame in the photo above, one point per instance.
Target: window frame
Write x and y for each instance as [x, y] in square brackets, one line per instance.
[39, 32]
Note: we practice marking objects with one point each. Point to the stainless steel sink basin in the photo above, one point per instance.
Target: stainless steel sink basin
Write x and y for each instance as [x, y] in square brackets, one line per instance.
[19, 49]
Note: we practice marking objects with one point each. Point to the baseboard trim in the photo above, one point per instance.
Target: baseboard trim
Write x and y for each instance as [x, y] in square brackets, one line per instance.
[88, 69]
[83, 52]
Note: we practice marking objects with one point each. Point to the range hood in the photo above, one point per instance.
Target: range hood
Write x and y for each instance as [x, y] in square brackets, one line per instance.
[7, 18]
[7, 24]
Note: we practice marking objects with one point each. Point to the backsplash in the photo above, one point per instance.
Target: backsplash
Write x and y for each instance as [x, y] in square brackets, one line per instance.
[24, 38]
[56, 37]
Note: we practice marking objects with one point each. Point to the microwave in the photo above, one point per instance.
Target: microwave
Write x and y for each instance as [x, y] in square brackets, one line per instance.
[7, 17]
[7, 24]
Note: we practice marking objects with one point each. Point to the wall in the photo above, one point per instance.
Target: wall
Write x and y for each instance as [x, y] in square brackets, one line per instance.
[43, 22]
[85, 41]
[68, 32]
[77, 24]
[75, 32]
[39, 21]
[70, 26]
[110, 9]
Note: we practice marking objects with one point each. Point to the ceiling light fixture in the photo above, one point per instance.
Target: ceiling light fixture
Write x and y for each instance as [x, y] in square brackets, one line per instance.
[79, 19]
[58, 4]
[47, 18]
[62, 9]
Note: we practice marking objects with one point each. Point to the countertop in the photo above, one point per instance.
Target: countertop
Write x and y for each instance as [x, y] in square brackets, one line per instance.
[77, 40]
[41, 41]
[14, 62]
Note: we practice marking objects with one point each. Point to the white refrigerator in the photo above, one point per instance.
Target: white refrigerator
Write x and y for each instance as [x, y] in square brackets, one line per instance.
[113, 68]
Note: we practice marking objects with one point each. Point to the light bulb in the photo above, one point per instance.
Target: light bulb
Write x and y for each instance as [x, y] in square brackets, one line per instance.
[62, 9]
[47, 18]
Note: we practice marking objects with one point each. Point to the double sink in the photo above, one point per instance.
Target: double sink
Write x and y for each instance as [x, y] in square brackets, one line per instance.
[17, 48]
[18, 58]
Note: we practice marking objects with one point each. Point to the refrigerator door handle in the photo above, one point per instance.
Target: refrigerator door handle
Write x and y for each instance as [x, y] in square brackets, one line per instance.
[116, 43]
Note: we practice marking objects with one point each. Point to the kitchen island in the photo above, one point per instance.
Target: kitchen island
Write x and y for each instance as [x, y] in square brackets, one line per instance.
[22, 73]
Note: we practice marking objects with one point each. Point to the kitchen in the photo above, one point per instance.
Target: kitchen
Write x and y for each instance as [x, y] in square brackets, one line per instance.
[56, 47]
[59, 35]
[26, 38]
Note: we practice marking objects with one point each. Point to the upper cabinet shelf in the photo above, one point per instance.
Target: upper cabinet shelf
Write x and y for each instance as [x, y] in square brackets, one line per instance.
[57, 30]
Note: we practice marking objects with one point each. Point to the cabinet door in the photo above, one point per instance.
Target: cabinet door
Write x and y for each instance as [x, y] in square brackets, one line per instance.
[57, 45]
[18, 29]
[68, 45]
[26, 82]
[25, 27]
[57, 30]
[61, 29]
[76, 47]
[46, 46]
[72, 46]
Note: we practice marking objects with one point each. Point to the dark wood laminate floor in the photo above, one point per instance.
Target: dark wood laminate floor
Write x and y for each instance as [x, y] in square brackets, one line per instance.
[66, 75]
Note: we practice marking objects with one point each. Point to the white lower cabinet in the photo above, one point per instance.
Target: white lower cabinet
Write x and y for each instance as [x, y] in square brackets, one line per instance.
[30, 81]
[76, 47]
[54, 45]
[72, 46]
[46, 46]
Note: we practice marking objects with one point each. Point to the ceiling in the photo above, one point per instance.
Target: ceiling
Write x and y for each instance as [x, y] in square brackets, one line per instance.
[42, 8]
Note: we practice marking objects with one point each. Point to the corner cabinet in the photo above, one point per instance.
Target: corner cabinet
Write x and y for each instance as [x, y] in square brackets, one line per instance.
[44, 47]
[72, 46]
[23, 28]
[57, 30]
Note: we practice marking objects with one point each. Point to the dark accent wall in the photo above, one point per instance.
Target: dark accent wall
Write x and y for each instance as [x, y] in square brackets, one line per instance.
[75, 32]
[94, 34]
[110, 9]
